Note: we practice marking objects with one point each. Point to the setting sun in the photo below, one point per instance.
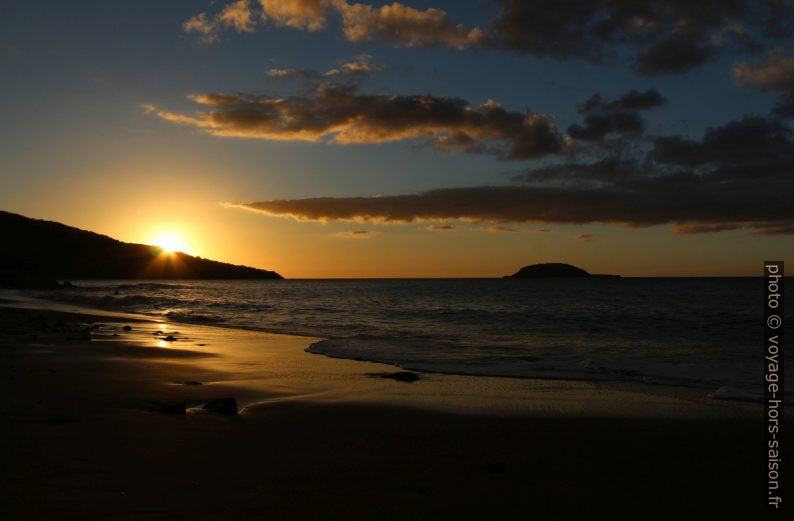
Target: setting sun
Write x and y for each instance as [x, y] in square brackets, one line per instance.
[170, 242]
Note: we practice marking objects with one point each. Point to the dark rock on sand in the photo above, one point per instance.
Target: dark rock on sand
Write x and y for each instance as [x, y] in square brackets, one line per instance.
[400, 376]
[127, 328]
[170, 338]
[176, 408]
[190, 382]
[227, 406]
[62, 419]
[497, 468]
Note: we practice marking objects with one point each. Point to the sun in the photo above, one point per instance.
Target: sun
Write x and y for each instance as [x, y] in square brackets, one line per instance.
[171, 242]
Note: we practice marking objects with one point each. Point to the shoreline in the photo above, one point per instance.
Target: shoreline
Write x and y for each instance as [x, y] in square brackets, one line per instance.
[93, 436]
[696, 392]
[444, 384]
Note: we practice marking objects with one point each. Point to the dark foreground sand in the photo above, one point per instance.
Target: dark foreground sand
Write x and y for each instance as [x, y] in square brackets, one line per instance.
[84, 436]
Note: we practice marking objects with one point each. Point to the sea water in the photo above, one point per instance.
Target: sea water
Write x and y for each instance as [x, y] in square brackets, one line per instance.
[696, 332]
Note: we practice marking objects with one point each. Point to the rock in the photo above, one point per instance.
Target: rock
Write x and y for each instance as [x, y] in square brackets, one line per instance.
[127, 328]
[191, 382]
[226, 406]
[176, 408]
[170, 338]
[400, 376]
[497, 468]
[62, 419]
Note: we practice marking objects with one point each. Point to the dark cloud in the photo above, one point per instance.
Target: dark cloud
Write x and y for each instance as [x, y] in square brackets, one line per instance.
[672, 56]
[753, 140]
[610, 170]
[683, 200]
[737, 176]
[663, 36]
[339, 114]
[620, 116]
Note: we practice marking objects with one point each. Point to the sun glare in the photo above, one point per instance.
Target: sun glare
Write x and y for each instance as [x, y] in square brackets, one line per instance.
[170, 242]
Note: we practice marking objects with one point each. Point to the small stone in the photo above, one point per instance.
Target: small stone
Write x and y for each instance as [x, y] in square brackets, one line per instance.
[127, 328]
[497, 468]
[400, 376]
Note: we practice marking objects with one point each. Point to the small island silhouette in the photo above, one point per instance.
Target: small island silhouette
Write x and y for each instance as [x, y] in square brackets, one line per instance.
[37, 253]
[552, 269]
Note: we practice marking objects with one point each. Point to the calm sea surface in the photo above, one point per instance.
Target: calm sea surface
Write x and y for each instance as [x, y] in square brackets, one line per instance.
[692, 332]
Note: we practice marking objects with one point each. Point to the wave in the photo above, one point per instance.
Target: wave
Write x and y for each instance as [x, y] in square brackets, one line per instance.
[193, 318]
[143, 303]
[147, 285]
[423, 353]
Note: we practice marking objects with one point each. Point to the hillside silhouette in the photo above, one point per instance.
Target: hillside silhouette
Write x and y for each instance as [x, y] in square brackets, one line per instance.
[36, 253]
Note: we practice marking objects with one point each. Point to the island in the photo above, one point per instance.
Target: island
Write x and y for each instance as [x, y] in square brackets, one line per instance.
[37, 253]
[552, 269]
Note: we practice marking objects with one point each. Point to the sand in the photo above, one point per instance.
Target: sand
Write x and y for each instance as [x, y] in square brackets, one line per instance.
[86, 436]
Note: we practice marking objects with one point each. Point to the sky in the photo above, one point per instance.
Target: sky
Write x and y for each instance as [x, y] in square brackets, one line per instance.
[336, 138]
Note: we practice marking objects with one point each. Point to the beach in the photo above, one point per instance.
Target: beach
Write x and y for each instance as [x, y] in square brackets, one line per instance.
[93, 423]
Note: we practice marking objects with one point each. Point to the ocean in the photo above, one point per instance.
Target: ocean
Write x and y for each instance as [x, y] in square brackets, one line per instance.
[693, 332]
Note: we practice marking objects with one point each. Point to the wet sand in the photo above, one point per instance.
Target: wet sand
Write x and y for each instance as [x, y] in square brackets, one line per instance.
[86, 435]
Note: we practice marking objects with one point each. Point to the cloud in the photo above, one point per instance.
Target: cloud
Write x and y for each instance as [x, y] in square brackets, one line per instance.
[620, 116]
[488, 229]
[298, 14]
[339, 114]
[737, 176]
[205, 26]
[673, 55]
[502, 229]
[656, 36]
[355, 234]
[236, 15]
[403, 25]
[585, 237]
[659, 36]
[607, 171]
[685, 202]
[774, 73]
[442, 228]
[762, 144]
[360, 66]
